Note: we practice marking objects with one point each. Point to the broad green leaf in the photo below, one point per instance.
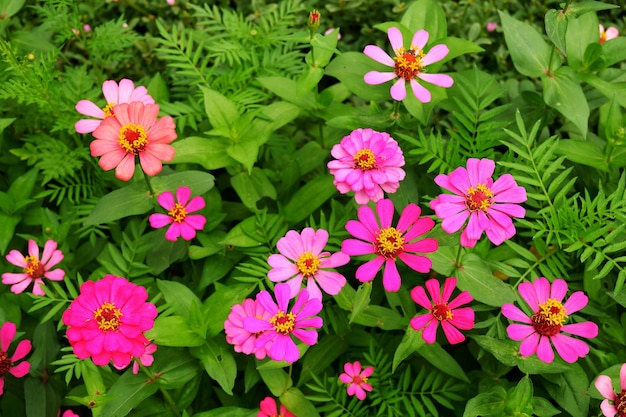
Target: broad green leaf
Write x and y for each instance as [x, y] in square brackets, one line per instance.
[611, 125]
[569, 390]
[157, 88]
[442, 360]
[581, 32]
[178, 296]
[361, 300]
[444, 260]
[7, 230]
[457, 47]
[210, 153]
[10, 7]
[544, 408]
[41, 398]
[309, 80]
[228, 412]
[5, 122]
[563, 93]
[294, 399]
[276, 380]
[174, 331]
[174, 366]
[350, 67]
[427, 15]
[286, 89]
[475, 276]
[22, 187]
[252, 187]
[210, 244]
[308, 198]
[411, 342]
[529, 52]
[320, 356]
[556, 28]
[127, 393]
[592, 59]
[220, 110]
[519, 401]
[583, 152]
[489, 403]
[217, 307]
[383, 317]
[218, 362]
[614, 50]
[582, 7]
[608, 89]
[242, 234]
[278, 114]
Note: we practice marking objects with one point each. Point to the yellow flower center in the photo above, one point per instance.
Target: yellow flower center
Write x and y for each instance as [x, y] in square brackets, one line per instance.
[408, 62]
[178, 213]
[108, 317]
[33, 267]
[308, 264]
[442, 312]
[389, 242]
[548, 320]
[133, 138]
[108, 110]
[284, 323]
[365, 159]
[479, 198]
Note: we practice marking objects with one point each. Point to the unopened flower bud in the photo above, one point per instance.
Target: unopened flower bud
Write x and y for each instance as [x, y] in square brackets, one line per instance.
[314, 20]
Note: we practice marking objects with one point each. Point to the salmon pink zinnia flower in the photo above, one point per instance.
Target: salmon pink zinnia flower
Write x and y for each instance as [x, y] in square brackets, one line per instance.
[409, 65]
[178, 217]
[268, 408]
[243, 340]
[607, 35]
[8, 363]
[356, 379]
[546, 324]
[613, 403]
[34, 268]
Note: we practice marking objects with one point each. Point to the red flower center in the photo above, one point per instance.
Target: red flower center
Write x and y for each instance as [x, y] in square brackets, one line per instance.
[308, 264]
[108, 110]
[108, 317]
[365, 160]
[358, 379]
[389, 242]
[5, 363]
[620, 403]
[479, 198]
[550, 317]
[133, 138]
[442, 312]
[33, 267]
[284, 323]
[408, 63]
[178, 213]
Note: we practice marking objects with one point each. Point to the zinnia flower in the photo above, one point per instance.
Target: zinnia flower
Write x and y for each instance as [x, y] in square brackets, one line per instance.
[389, 243]
[243, 340]
[487, 204]
[146, 359]
[114, 94]
[368, 163]
[299, 322]
[107, 321]
[442, 310]
[68, 413]
[34, 268]
[356, 379]
[269, 409]
[610, 33]
[8, 363]
[613, 403]
[301, 257]
[134, 130]
[408, 64]
[182, 224]
[546, 324]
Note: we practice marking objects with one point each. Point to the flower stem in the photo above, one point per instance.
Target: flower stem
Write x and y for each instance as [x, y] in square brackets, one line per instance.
[150, 189]
[458, 258]
[166, 395]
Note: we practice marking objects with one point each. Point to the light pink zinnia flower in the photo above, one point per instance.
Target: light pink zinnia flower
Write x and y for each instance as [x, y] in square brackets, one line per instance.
[487, 204]
[114, 94]
[8, 363]
[389, 243]
[546, 324]
[442, 310]
[301, 257]
[107, 321]
[610, 33]
[268, 408]
[408, 64]
[300, 323]
[182, 223]
[368, 163]
[613, 403]
[357, 379]
[243, 340]
[34, 268]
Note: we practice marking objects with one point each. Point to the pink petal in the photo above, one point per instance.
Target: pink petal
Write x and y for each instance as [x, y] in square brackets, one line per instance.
[166, 200]
[89, 108]
[10, 278]
[368, 270]
[16, 258]
[434, 290]
[398, 90]
[419, 91]
[429, 334]
[513, 313]
[585, 329]
[419, 322]
[385, 211]
[173, 232]
[436, 54]
[419, 296]
[569, 349]
[452, 334]
[622, 376]
[150, 164]
[420, 39]
[110, 89]
[20, 370]
[544, 350]
[331, 282]
[441, 80]
[158, 220]
[126, 168]
[527, 291]
[391, 277]
[417, 263]
[182, 195]
[575, 302]
[529, 345]
[605, 386]
[378, 55]
[196, 203]
[519, 331]
[395, 38]
[7, 333]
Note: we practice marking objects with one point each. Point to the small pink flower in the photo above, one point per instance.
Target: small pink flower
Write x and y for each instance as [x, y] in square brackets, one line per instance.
[171, 2]
[491, 26]
[282, 324]
[613, 403]
[68, 413]
[34, 268]
[487, 204]
[356, 379]
[409, 65]
[368, 163]
[546, 324]
[269, 409]
[134, 130]
[87, 29]
[182, 223]
[8, 363]
[330, 30]
[114, 94]
[389, 243]
[607, 35]
[442, 311]
[301, 257]
[243, 340]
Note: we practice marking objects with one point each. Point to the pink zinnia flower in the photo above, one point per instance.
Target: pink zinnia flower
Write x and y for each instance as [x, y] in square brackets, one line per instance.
[408, 64]
[487, 204]
[7, 363]
[442, 310]
[546, 324]
[491, 26]
[182, 223]
[613, 403]
[134, 130]
[269, 409]
[282, 324]
[610, 33]
[34, 268]
[114, 94]
[368, 163]
[146, 359]
[243, 340]
[68, 413]
[356, 379]
[107, 321]
[301, 257]
[389, 243]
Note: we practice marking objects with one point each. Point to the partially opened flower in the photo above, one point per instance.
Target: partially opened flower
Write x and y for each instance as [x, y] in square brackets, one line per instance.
[614, 403]
[610, 33]
[356, 378]
[114, 94]
[368, 163]
[178, 217]
[546, 325]
[442, 310]
[268, 408]
[389, 243]
[243, 340]
[8, 364]
[488, 205]
[134, 131]
[34, 268]
[408, 65]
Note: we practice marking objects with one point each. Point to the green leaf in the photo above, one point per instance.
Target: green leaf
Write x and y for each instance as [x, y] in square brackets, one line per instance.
[569, 390]
[519, 401]
[10, 7]
[458, 47]
[7, 230]
[286, 89]
[581, 32]
[427, 15]
[157, 88]
[217, 307]
[295, 401]
[127, 393]
[442, 360]
[582, 7]
[486, 403]
[178, 296]
[174, 331]
[242, 234]
[608, 89]
[218, 362]
[321, 355]
[556, 28]
[174, 366]
[544, 408]
[221, 112]
[350, 67]
[252, 187]
[210, 153]
[411, 342]
[563, 93]
[475, 276]
[228, 412]
[383, 317]
[308, 198]
[361, 300]
[276, 380]
[309, 80]
[614, 50]
[583, 152]
[529, 52]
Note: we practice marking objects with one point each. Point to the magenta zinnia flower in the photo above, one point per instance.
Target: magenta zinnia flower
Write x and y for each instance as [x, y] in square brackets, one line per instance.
[34, 268]
[389, 243]
[134, 130]
[8, 363]
[487, 204]
[301, 257]
[356, 379]
[107, 321]
[442, 310]
[182, 224]
[114, 94]
[243, 340]
[607, 35]
[300, 323]
[268, 408]
[408, 64]
[613, 403]
[368, 163]
[546, 324]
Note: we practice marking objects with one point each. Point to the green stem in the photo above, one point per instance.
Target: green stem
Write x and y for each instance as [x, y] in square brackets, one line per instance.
[172, 404]
[150, 189]
[458, 258]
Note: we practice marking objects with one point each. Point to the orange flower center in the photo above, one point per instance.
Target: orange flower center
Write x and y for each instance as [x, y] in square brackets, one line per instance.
[358, 379]
[479, 198]
[108, 110]
[308, 264]
[178, 213]
[408, 62]
[442, 312]
[133, 138]
[33, 267]
[548, 320]
[365, 159]
[5, 363]
[389, 242]
[284, 323]
[108, 317]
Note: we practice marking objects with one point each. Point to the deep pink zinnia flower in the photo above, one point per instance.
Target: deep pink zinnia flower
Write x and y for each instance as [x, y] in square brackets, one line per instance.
[34, 268]
[488, 205]
[546, 324]
[301, 257]
[268, 408]
[107, 321]
[607, 35]
[389, 243]
[182, 223]
[442, 310]
[243, 340]
[114, 94]
[368, 163]
[68, 413]
[134, 130]
[356, 379]
[282, 324]
[408, 64]
[8, 363]
[613, 403]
